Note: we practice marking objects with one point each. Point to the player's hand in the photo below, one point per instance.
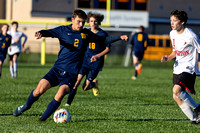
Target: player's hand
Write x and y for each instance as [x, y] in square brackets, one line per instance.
[9, 49]
[38, 35]
[124, 37]
[164, 58]
[94, 58]
[16, 40]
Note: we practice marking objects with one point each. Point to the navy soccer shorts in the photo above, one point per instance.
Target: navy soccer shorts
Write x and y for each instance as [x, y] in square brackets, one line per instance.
[57, 77]
[91, 74]
[185, 80]
[138, 54]
[2, 58]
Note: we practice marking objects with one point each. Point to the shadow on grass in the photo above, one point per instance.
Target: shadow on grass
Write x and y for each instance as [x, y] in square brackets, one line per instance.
[5, 115]
[130, 120]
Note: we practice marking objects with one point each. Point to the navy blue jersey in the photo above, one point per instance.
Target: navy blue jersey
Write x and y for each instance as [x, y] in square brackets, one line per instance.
[72, 47]
[95, 47]
[5, 42]
[138, 41]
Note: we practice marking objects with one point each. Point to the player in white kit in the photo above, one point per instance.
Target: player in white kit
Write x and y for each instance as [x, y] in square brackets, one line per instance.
[16, 47]
[185, 43]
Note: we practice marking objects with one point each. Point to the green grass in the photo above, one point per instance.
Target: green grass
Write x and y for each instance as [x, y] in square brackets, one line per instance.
[124, 105]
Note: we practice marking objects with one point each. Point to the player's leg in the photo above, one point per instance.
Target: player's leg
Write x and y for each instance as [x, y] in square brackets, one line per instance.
[55, 103]
[1, 63]
[87, 85]
[73, 91]
[136, 64]
[11, 66]
[15, 56]
[187, 110]
[42, 87]
[183, 99]
[91, 82]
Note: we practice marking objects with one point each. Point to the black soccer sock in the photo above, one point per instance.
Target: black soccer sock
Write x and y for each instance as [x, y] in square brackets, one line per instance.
[71, 96]
[136, 73]
[31, 100]
[93, 84]
[53, 105]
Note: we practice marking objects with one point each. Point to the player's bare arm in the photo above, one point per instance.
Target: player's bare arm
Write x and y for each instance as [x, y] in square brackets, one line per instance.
[95, 57]
[168, 58]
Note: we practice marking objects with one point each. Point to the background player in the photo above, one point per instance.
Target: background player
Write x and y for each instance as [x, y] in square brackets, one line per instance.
[16, 47]
[94, 57]
[139, 41]
[185, 43]
[5, 41]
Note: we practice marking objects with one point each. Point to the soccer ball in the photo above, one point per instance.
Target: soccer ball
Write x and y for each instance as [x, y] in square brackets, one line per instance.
[62, 116]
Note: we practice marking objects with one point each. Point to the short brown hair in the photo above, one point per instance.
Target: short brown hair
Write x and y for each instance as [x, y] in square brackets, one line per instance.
[80, 13]
[99, 17]
[181, 15]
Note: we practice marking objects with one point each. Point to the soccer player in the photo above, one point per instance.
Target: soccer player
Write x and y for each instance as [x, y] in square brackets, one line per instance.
[5, 41]
[185, 43]
[94, 58]
[139, 42]
[73, 41]
[16, 47]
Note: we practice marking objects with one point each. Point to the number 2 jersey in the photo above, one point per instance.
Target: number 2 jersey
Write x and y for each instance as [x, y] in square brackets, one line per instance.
[73, 45]
[93, 48]
[5, 42]
[185, 46]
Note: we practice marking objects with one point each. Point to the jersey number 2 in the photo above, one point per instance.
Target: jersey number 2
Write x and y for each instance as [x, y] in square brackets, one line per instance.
[3, 46]
[76, 41]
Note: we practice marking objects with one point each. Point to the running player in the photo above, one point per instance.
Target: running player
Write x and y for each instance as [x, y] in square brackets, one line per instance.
[73, 41]
[16, 47]
[94, 58]
[139, 42]
[185, 43]
[5, 41]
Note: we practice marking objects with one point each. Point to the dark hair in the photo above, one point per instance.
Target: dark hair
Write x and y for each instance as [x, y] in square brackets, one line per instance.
[80, 13]
[15, 22]
[99, 17]
[6, 25]
[141, 27]
[181, 15]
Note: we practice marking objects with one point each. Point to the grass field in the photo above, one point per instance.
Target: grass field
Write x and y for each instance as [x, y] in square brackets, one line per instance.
[124, 105]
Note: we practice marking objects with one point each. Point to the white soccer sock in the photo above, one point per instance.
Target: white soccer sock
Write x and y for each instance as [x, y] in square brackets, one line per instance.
[15, 67]
[188, 99]
[187, 110]
[11, 71]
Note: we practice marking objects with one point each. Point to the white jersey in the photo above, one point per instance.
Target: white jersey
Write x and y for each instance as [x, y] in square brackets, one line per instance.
[185, 46]
[16, 47]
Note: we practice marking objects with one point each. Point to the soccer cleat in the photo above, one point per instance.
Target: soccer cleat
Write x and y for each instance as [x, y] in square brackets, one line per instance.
[193, 122]
[191, 91]
[20, 110]
[133, 78]
[139, 69]
[95, 89]
[197, 112]
[66, 105]
[15, 75]
[41, 119]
